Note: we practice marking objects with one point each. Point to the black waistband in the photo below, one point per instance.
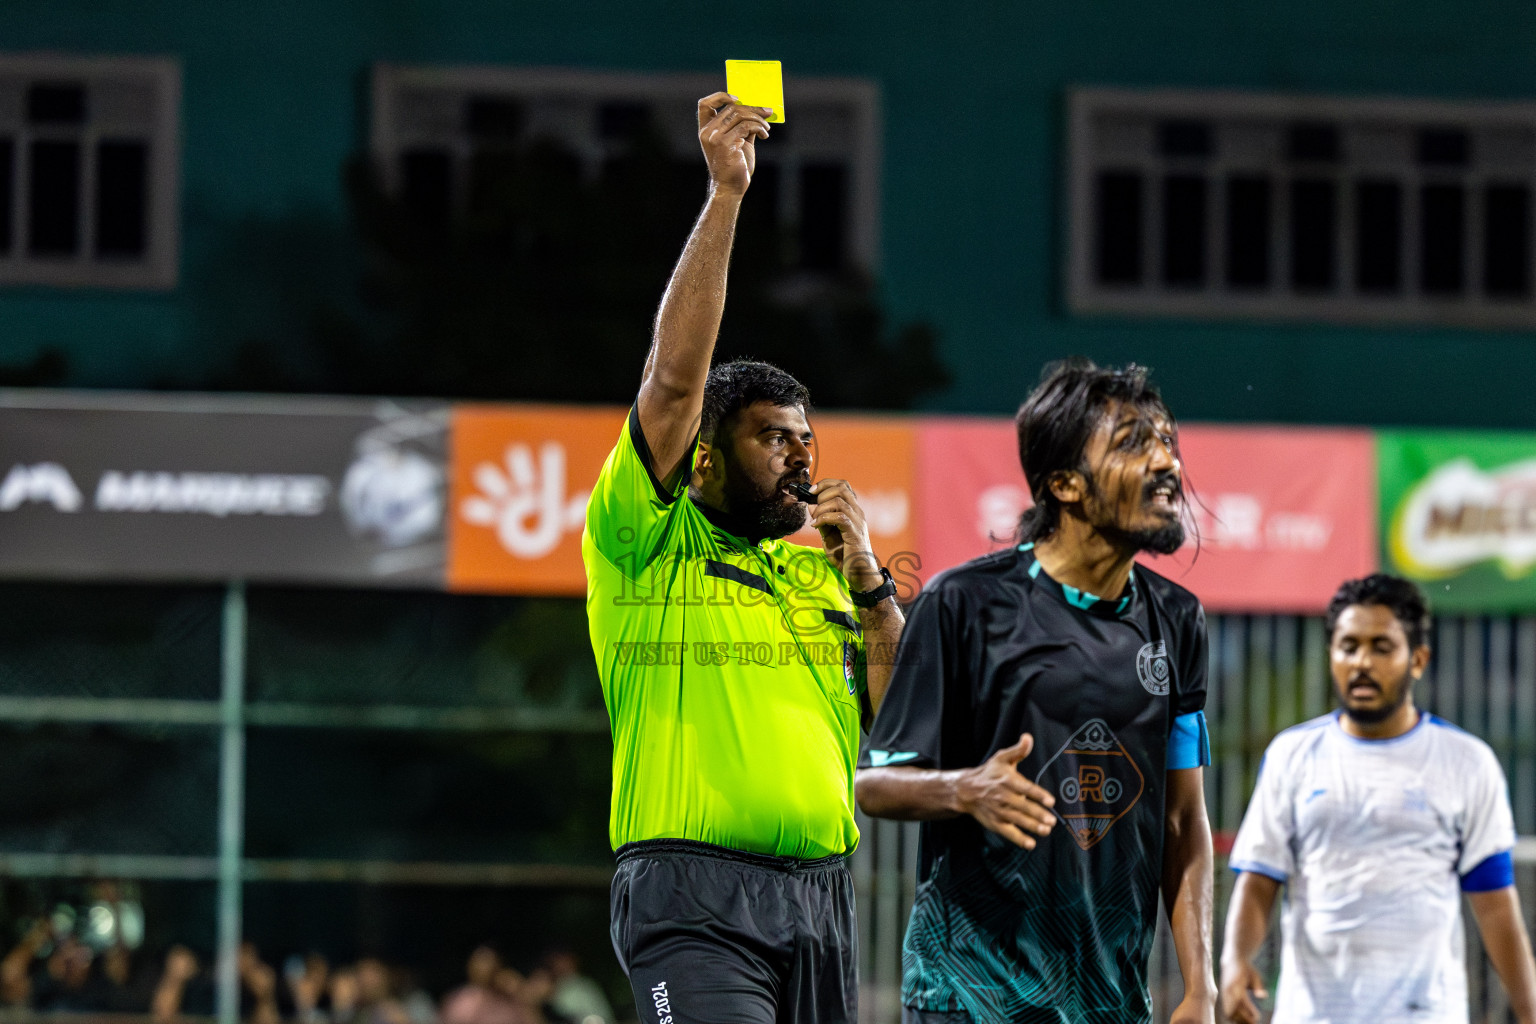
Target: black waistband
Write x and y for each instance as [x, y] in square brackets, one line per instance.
[694, 848]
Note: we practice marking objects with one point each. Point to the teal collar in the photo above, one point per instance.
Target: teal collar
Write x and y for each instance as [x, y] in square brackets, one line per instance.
[1093, 604]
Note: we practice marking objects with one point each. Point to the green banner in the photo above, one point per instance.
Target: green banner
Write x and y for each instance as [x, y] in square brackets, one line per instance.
[1458, 514]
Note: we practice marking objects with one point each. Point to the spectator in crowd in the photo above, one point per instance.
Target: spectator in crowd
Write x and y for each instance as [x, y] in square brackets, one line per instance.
[343, 997]
[65, 985]
[385, 997]
[258, 987]
[533, 993]
[577, 998]
[417, 1003]
[16, 968]
[113, 985]
[481, 1000]
[183, 987]
[186, 989]
[307, 988]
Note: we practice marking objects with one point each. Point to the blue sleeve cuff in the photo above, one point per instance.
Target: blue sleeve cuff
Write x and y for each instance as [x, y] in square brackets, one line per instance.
[1189, 745]
[1254, 867]
[1497, 872]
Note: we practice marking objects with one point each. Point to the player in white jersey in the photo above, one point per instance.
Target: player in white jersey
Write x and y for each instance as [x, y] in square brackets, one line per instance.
[1375, 819]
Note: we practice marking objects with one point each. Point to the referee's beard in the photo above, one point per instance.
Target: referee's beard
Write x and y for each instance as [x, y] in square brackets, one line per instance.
[757, 512]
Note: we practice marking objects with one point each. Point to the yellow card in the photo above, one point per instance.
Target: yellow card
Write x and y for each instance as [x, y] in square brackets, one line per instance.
[757, 83]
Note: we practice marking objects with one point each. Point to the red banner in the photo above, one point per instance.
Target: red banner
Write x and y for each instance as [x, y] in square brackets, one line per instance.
[1284, 514]
[972, 489]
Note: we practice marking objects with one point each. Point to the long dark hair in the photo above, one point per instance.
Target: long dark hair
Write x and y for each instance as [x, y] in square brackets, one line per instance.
[1056, 421]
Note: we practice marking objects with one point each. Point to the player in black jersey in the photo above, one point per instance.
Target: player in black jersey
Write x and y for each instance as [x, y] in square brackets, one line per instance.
[1045, 723]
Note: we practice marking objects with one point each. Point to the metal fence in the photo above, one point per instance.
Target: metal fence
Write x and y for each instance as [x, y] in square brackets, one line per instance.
[1266, 673]
[215, 681]
[223, 744]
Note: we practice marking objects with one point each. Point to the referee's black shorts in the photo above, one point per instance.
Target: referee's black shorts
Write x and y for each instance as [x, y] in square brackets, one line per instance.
[715, 936]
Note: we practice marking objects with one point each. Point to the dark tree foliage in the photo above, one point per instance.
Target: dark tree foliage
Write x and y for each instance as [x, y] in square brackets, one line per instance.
[541, 283]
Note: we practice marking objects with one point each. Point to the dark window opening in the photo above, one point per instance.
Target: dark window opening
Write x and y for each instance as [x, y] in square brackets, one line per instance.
[1185, 138]
[823, 216]
[1117, 238]
[7, 191]
[1314, 228]
[1248, 232]
[426, 183]
[1313, 142]
[1442, 213]
[122, 197]
[759, 211]
[619, 119]
[1378, 236]
[1507, 241]
[493, 117]
[56, 103]
[687, 180]
[1444, 147]
[53, 215]
[1184, 230]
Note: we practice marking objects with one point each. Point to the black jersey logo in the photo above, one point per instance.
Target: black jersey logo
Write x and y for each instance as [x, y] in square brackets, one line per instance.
[1152, 668]
[1095, 780]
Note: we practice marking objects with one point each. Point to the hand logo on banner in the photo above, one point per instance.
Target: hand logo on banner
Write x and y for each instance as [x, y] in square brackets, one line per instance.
[525, 503]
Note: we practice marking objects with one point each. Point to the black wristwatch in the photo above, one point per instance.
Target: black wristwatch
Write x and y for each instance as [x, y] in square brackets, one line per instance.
[870, 598]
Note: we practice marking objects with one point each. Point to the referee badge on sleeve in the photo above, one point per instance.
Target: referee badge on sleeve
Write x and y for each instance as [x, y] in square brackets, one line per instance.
[850, 656]
[1152, 668]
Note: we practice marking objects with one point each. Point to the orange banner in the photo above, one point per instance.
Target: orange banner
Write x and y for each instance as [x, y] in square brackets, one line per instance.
[878, 457]
[519, 477]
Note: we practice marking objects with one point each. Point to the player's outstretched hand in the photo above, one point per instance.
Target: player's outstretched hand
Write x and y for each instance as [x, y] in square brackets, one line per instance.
[998, 795]
[728, 133]
[1239, 986]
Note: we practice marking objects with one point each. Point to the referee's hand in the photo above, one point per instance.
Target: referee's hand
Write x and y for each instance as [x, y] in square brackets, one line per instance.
[998, 795]
[728, 134]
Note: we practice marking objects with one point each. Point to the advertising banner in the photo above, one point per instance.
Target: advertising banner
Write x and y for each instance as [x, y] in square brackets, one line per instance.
[972, 492]
[492, 498]
[519, 481]
[1458, 514]
[877, 456]
[521, 476]
[214, 488]
[1283, 514]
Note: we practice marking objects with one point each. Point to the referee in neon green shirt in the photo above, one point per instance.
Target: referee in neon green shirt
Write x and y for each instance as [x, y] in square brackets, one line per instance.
[733, 663]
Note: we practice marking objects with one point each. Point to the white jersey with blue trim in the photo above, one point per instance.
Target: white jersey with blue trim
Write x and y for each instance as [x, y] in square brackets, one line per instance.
[1375, 841]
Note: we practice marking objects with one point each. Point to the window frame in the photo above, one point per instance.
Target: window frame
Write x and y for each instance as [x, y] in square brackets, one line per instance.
[387, 139]
[158, 268]
[1280, 301]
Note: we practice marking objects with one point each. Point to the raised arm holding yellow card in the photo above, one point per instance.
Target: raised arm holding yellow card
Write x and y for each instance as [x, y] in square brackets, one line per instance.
[757, 83]
[732, 823]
